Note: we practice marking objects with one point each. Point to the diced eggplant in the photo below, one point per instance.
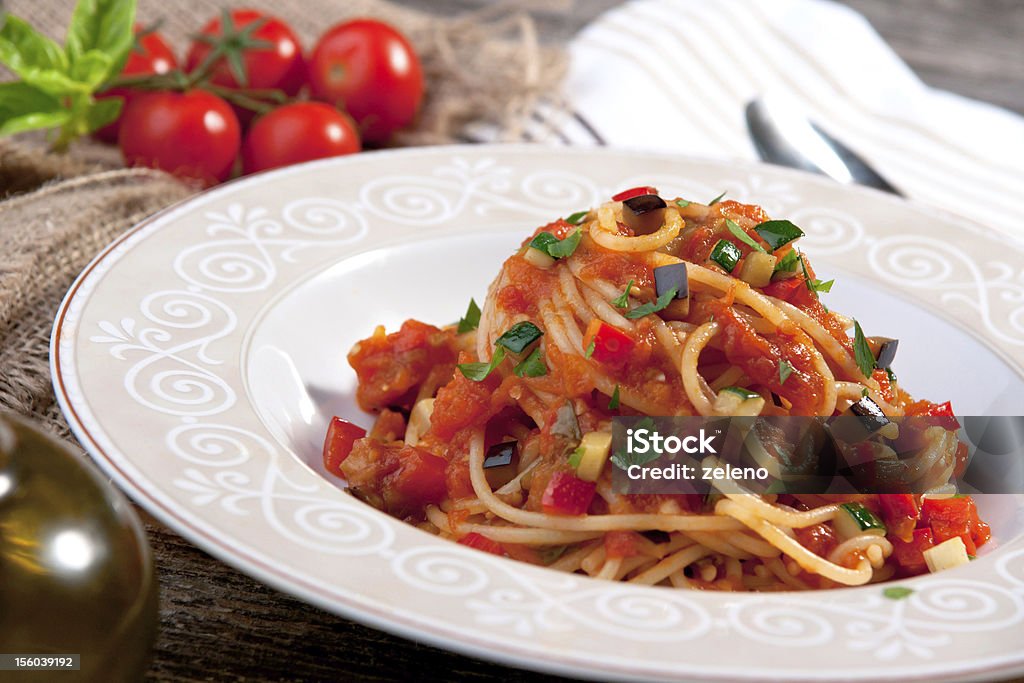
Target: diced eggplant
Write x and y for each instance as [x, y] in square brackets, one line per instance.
[644, 214]
[670, 277]
[884, 350]
[500, 463]
[869, 420]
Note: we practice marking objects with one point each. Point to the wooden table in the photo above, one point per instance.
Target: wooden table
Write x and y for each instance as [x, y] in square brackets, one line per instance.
[218, 624]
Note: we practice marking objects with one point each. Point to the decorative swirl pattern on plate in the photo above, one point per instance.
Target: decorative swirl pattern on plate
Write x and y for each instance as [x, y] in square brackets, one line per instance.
[441, 571]
[828, 231]
[994, 290]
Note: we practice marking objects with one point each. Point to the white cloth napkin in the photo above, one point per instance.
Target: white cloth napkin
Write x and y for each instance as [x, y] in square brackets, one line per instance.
[674, 75]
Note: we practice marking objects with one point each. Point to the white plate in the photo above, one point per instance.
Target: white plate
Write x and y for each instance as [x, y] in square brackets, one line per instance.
[200, 357]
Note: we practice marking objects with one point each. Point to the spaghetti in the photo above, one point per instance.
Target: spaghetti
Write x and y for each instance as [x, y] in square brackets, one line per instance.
[495, 432]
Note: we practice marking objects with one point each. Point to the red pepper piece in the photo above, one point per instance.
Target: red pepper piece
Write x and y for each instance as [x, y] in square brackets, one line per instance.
[341, 434]
[567, 494]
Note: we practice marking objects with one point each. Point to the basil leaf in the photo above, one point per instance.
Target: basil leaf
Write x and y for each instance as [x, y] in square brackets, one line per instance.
[613, 403]
[577, 218]
[25, 50]
[471, 320]
[862, 352]
[543, 241]
[717, 199]
[742, 236]
[478, 372]
[565, 248]
[533, 366]
[23, 107]
[103, 112]
[648, 308]
[104, 26]
[554, 247]
[91, 69]
[787, 263]
[622, 301]
[590, 350]
[519, 336]
[683, 203]
[778, 233]
[785, 370]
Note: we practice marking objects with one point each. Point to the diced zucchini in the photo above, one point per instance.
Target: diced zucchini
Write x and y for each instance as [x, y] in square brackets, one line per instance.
[738, 401]
[726, 254]
[758, 268]
[419, 420]
[854, 519]
[595, 446]
[537, 258]
[946, 555]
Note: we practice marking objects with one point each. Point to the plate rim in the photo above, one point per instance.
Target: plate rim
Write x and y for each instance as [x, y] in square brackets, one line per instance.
[353, 606]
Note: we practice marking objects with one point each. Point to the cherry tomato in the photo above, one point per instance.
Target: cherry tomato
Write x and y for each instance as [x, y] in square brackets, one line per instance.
[279, 66]
[150, 55]
[193, 134]
[295, 133]
[368, 68]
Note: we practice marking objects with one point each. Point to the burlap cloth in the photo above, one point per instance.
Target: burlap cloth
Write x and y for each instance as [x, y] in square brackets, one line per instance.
[62, 210]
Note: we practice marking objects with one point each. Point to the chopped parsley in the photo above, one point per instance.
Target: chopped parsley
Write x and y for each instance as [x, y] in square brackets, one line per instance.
[471, 320]
[717, 199]
[613, 403]
[575, 457]
[785, 370]
[577, 218]
[478, 372]
[622, 301]
[654, 306]
[812, 284]
[683, 203]
[862, 352]
[742, 236]
[519, 336]
[590, 350]
[533, 366]
[897, 592]
[550, 555]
